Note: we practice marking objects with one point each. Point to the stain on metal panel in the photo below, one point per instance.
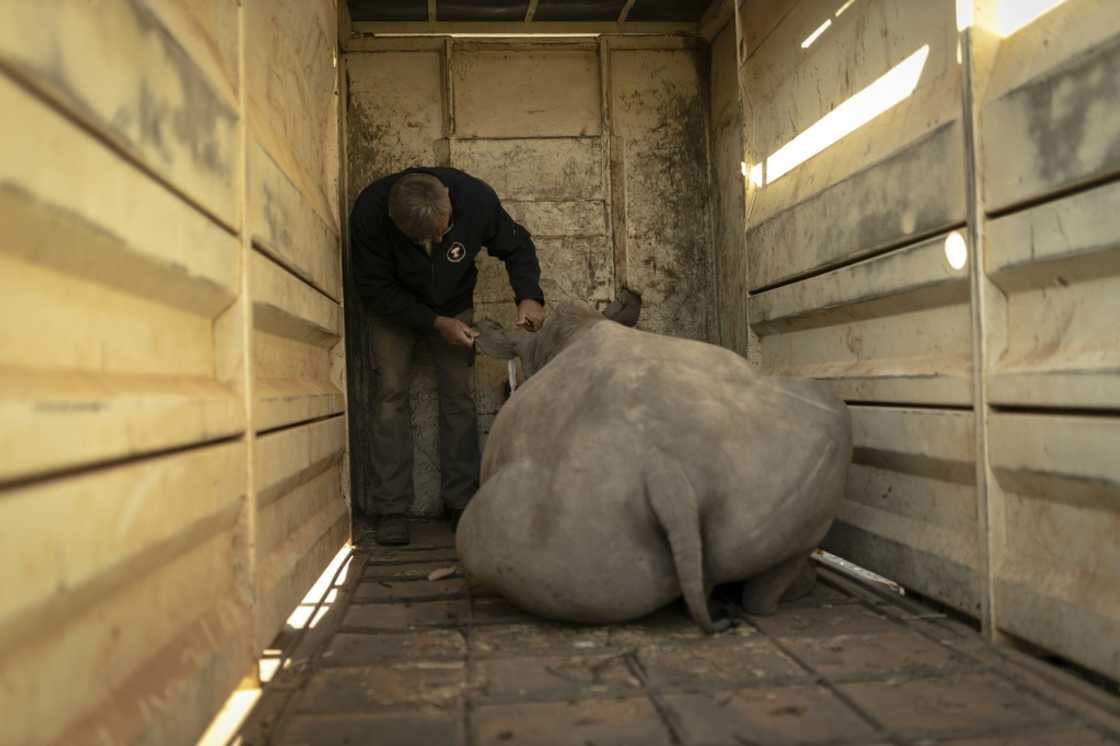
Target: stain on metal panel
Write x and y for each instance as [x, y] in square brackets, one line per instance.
[118, 67]
[659, 100]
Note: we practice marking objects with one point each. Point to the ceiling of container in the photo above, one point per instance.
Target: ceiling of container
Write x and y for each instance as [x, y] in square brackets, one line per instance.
[519, 10]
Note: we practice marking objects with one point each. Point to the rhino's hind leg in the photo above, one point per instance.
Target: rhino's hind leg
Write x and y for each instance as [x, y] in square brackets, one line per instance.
[804, 584]
[787, 580]
[676, 506]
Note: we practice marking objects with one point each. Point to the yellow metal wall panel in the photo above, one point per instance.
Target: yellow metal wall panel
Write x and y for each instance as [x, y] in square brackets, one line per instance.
[556, 219]
[792, 86]
[284, 226]
[895, 328]
[855, 161]
[1056, 564]
[527, 169]
[1058, 265]
[1049, 140]
[111, 580]
[291, 72]
[295, 330]
[295, 287]
[129, 370]
[284, 304]
[395, 115]
[300, 501]
[145, 239]
[296, 565]
[795, 229]
[502, 92]
[573, 268]
[759, 18]
[891, 180]
[116, 66]
[111, 286]
[1050, 117]
[910, 511]
[292, 456]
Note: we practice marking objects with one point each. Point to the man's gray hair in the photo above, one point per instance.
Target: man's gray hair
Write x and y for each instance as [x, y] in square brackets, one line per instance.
[419, 205]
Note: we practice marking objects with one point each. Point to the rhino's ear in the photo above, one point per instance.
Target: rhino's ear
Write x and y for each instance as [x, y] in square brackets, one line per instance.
[494, 340]
[626, 307]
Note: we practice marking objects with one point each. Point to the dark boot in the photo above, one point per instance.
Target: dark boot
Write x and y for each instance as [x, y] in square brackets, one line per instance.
[392, 530]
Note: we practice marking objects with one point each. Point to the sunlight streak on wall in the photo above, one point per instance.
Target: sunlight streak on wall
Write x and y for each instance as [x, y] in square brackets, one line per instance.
[816, 34]
[1013, 15]
[890, 89]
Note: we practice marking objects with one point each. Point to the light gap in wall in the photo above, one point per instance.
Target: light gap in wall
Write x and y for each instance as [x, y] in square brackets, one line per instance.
[69, 472]
[471, 35]
[1013, 15]
[908, 405]
[1053, 411]
[300, 423]
[224, 728]
[893, 87]
[816, 34]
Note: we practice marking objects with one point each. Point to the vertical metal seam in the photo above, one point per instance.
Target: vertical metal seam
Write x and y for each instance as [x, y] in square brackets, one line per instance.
[343, 84]
[246, 339]
[605, 134]
[715, 320]
[741, 237]
[978, 307]
[448, 92]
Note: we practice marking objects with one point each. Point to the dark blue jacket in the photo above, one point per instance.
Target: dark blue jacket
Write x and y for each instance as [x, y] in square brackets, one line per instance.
[396, 278]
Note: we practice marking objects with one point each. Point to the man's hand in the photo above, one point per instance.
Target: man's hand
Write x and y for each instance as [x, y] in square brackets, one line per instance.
[455, 332]
[530, 315]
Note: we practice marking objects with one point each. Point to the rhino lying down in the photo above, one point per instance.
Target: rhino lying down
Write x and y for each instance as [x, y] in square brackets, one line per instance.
[632, 468]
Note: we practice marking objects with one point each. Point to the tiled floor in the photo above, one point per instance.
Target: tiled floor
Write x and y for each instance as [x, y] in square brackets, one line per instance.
[398, 659]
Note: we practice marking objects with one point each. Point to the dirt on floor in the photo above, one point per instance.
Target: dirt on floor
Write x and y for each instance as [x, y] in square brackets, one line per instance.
[397, 658]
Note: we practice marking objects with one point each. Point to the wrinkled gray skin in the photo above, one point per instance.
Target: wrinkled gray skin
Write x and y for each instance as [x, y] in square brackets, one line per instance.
[633, 468]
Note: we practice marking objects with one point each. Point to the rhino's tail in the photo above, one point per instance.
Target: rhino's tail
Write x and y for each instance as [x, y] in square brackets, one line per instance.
[676, 505]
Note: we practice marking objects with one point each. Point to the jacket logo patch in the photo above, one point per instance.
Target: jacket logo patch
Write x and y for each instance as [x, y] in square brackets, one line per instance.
[456, 253]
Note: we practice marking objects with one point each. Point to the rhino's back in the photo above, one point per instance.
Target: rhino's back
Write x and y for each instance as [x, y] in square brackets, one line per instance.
[617, 395]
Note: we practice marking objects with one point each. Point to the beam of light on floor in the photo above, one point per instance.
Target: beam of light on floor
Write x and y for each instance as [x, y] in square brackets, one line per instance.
[890, 89]
[225, 725]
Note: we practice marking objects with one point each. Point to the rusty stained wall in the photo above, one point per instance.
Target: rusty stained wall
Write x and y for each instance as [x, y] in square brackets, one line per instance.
[728, 206]
[849, 283]
[529, 119]
[170, 365]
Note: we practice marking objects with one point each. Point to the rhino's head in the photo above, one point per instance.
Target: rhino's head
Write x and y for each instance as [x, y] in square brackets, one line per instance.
[564, 324]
